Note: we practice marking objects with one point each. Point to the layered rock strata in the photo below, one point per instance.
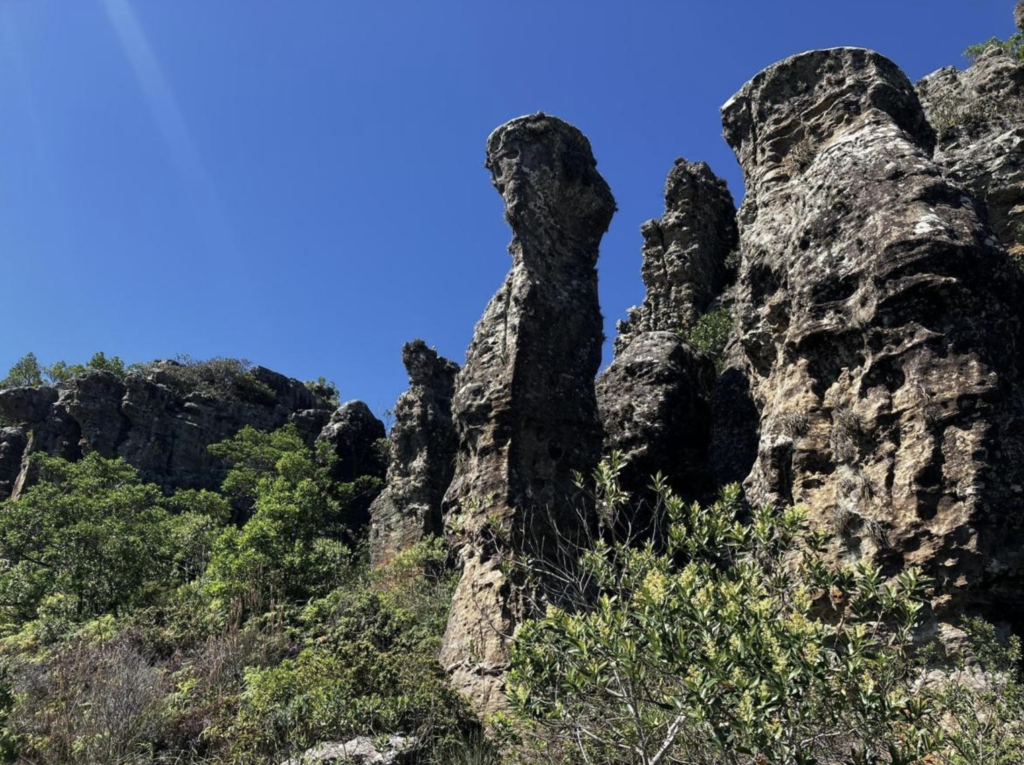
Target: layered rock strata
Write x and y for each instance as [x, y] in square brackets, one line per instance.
[875, 314]
[149, 420]
[978, 115]
[524, 406]
[684, 253]
[421, 450]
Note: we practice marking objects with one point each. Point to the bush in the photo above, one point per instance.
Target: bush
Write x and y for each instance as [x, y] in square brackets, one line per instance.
[217, 377]
[737, 645]
[368, 667]
[293, 546]
[1014, 46]
[711, 334]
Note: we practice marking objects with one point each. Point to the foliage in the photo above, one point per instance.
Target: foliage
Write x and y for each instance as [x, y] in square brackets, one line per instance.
[216, 377]
[1014, 46]
[26, 373]
[88, 539]
[980, 702]
[737, 645]
[325, 389]
[367, 667]
[293, 544]
[711, 334]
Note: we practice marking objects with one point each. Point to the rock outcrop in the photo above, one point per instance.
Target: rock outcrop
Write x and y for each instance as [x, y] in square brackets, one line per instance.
[874, 318]
[151, 419]
[655, 404]
[524, 407]
[684, 254]
[978, 115]
[354, 435]
[421, 451]
[388, 750]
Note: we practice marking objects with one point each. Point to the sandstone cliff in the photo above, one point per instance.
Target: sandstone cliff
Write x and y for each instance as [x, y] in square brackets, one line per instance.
[873, 314]
[161, 421]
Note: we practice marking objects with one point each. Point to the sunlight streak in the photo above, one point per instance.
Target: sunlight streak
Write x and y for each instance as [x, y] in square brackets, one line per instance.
[197, 183]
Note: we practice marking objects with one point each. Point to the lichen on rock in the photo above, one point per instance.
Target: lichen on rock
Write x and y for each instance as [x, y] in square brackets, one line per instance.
[874, 317]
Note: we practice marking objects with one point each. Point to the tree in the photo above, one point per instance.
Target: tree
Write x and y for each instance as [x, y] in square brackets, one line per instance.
[293, 546]
[89, 538]
[738, 644]
[26, 373]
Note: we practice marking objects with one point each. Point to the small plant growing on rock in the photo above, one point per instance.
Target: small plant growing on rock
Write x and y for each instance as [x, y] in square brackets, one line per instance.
[711, 334]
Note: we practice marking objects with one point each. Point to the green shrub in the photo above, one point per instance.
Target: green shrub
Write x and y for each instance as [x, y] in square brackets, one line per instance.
[216, 377]
[325, 389]
[1014, 46]
[88, 539]
[711, 334]
[737, 645]
[26, 373]
[294, 544]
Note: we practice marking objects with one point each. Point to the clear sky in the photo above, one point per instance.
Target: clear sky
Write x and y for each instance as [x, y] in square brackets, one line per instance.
[301, 182]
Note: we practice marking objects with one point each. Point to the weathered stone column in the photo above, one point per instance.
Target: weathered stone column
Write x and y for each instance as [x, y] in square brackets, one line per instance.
[875, 322]
[684, 253]
[524, 406]
[421, 461]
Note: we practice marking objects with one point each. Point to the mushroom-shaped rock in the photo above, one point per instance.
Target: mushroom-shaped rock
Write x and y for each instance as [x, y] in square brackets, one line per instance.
[874, 316]
[524, 408]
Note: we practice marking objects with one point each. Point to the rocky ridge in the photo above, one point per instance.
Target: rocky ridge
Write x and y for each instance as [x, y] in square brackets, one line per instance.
[163, 427]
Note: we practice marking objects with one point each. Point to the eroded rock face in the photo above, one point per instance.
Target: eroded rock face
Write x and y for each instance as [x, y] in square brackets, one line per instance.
[684, 253]
[147, 419]
[1018, 15]
[421, 451]
[655, 403]
[874, 316]
[353, 434]
[524, 406]
[978, 115]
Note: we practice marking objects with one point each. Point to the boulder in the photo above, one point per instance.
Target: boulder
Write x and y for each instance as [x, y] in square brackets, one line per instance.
[655, 405]
[390, 750]
[353, 434]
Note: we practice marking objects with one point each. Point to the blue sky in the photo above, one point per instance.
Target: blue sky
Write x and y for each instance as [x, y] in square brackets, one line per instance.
[301, 183]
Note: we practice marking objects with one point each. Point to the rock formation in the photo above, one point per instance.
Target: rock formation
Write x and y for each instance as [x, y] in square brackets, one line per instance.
[421, 450]
[684, 254]
[978, 115]
[149, 419]
[654, 402]
[1018, 16]
[874, 319]
[354, 435]
[524, 406]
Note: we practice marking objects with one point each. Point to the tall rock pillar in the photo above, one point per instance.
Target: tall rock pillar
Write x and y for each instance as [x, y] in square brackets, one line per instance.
[876, 322]
[524, 407]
